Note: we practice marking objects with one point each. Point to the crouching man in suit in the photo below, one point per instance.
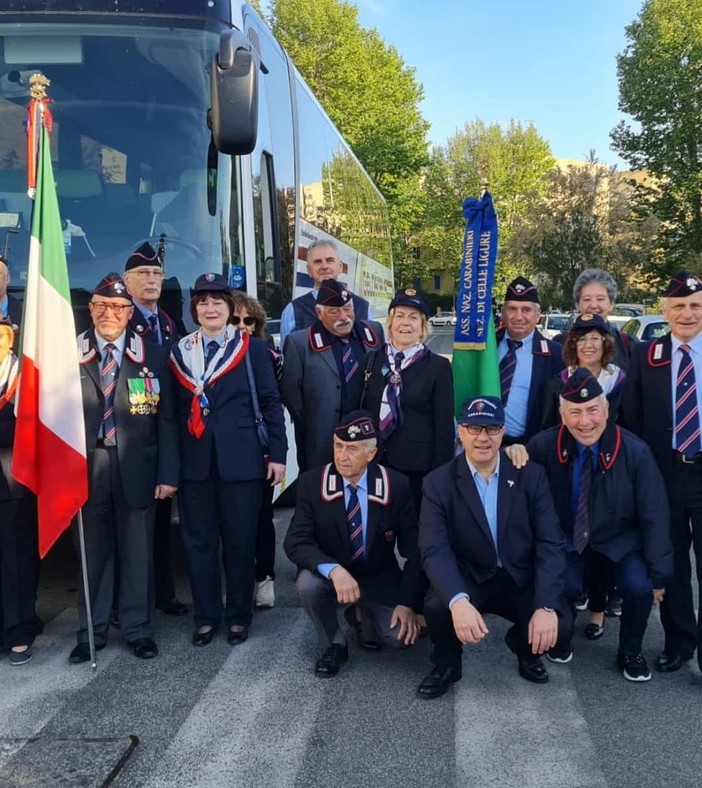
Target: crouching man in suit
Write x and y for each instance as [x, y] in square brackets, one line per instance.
[490, 543]
[349, 517]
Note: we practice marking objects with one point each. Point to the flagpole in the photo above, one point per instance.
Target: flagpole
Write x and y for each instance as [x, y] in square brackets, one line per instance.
[86, 590]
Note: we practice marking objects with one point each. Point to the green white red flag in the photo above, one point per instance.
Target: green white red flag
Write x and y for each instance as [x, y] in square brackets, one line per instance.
[49, 449]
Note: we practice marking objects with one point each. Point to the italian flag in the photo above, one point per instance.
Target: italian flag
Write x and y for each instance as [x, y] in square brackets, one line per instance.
[49, 449]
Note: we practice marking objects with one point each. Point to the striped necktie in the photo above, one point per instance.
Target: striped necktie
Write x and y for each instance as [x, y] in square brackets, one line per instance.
[581, 525]
[507, 367]
[355, 525]
[108, 373]
[687, 417]
[347, 359]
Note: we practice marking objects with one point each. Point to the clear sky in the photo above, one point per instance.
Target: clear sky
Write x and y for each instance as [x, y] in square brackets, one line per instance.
[550, 62]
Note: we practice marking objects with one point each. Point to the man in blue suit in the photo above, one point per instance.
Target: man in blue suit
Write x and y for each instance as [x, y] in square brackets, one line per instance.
[490, 543]
[528, 362]
[661, 404]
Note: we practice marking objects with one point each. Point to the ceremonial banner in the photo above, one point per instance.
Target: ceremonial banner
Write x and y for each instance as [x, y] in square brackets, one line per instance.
[475, 365]
[49, 449]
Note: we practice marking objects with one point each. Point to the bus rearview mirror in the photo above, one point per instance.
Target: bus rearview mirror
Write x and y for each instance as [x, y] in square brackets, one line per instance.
[234, 95]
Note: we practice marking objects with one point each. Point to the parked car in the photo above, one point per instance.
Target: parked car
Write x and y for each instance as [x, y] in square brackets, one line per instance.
[553, 323]
[646, 327]
[443, 319]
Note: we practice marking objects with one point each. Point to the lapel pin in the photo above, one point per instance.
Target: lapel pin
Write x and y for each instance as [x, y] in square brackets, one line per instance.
[510, 482]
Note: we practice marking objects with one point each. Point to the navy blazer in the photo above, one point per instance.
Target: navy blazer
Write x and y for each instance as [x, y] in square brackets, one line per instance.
[647, 402]
[230, 425]
[10, 490]
[628, 504]
[427, 436]
[546, 364]
[456, 545]
[147, 444]
[318, 533]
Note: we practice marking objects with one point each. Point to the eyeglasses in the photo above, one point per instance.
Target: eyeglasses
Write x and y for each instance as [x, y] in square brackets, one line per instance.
[476, 429]
[145, 273]
[247, 321]
[595, 339]
[100, 307]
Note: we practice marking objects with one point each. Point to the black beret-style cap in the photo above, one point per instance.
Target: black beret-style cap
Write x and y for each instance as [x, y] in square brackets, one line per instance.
[144, 255]
[581, 386]
[521, 289]
[412, 298]
[683, 284]
[358, 425]
[333, 293]
[482, 411]
[112, 286]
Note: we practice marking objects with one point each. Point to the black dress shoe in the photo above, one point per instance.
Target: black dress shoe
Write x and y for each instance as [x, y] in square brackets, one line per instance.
[669, 664]
[531, 668]
[333, 658]
[144, 648]
[371, 644]
[81, 653]
[437, 682]
[204, 638]
[171, 607]
[237, 636]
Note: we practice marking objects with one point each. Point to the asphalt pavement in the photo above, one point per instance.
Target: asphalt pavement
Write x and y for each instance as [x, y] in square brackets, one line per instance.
[255, 715]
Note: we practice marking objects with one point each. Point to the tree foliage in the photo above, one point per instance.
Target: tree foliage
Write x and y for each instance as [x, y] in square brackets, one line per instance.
[584, 218]
[512, 160]
[660, 86]
[369, 93]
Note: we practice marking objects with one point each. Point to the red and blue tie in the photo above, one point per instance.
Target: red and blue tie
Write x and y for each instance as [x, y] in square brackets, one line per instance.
[507, 367]
[347, 359]
[687, 417]
[109, 372]
[355, 525]
[581, 526]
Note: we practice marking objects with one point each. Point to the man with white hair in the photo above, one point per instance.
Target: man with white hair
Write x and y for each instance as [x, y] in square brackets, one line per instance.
[323, 262]
[324, 369]
[611, 502]
[350, 516]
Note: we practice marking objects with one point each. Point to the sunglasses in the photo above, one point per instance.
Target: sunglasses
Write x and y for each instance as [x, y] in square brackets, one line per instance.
[247, 321]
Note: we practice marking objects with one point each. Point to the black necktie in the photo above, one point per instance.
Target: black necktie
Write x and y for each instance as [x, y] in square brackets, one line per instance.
[507, 367]
[153, 322]
[109, 372]
[581, 527]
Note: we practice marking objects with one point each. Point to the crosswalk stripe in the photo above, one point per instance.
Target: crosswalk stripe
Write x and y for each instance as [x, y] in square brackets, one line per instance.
[514, 734]
[262, 692]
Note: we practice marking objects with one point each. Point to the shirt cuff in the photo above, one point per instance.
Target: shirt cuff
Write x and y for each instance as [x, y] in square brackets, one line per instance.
[455, 599]
[325, 569]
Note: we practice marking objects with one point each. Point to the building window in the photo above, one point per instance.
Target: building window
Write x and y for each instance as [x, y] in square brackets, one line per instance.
[437, 282]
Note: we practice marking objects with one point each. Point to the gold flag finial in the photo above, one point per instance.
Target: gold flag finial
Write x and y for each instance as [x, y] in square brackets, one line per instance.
[38, 84]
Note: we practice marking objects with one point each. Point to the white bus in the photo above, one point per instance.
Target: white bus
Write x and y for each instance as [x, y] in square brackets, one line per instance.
[183, 118]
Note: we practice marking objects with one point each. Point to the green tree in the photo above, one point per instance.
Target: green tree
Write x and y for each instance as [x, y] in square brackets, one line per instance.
[369, 93]
[660, 86]
[584, 218]
[512, 160]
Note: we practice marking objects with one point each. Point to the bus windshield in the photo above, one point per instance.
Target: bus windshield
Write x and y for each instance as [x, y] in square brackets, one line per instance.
[131, 149]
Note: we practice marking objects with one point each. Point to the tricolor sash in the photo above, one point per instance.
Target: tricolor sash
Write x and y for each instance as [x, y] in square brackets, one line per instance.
[188, 365]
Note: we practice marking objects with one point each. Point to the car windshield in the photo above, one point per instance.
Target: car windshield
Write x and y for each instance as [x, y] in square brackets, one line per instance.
[655, 330]
[130, 146]
[558, 322]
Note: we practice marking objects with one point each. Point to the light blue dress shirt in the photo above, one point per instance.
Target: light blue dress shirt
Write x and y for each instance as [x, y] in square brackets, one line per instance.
[518, 400]
[487, 490]
[675, 359]
[148, 314]
[362, 492]
[5, 305]
[287, 320]
[118, 352]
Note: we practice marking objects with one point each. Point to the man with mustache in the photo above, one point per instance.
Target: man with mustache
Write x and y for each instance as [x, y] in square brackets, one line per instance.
[324, 370]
